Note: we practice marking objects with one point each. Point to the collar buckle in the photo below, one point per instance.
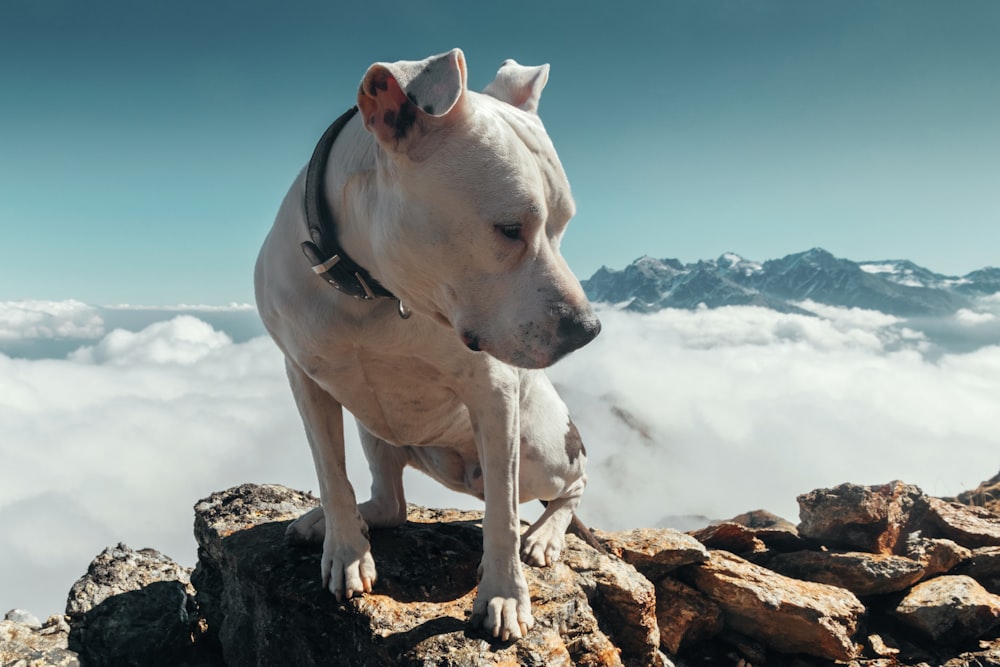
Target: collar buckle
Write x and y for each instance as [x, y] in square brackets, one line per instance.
[337, 268]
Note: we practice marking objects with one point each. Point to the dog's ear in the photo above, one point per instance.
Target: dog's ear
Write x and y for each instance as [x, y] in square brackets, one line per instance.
[395, 98]
[519, 85]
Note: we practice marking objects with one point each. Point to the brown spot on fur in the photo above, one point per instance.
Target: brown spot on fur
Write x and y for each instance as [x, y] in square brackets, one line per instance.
[378, 82]
[404, 120]
[574, 443]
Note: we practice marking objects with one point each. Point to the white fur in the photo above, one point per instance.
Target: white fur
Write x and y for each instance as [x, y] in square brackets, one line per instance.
[424, 214]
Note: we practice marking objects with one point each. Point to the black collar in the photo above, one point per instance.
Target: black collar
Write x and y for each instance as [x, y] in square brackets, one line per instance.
[324, 253]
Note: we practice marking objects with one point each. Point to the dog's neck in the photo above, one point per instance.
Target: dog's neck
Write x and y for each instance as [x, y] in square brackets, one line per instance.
[324, 251]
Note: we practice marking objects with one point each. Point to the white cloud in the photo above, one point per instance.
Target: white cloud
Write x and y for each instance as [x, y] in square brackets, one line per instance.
[711, 413]
[972, 318]
[182, 340]
[124, 438]
[745, 408]
[991, 301]
[21, 320]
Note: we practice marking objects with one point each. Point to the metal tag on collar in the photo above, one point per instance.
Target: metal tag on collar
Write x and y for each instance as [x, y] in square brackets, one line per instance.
[323, 267]
[368, 295]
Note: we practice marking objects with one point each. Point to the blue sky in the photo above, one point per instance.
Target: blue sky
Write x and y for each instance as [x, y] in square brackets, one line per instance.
[144, 147]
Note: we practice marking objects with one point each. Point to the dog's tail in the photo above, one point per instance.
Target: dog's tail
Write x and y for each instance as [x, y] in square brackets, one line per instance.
[577, 527]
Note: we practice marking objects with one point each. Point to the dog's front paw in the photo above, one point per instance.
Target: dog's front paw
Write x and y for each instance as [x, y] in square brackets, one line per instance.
[347, 566]
[543, 544]
[308, 528]
[502, 607]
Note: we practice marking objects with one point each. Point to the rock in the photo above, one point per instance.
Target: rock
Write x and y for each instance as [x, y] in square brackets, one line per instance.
[655, 552]
[751, 532]
[623, 600]
[685, 616]
[984, 567]
[865, 518]
[259, 599]
[988, 655]
[880, 648]
[589, 609]
[25, 642]
[971, 527]
[23, 617]
[789, 615]
[771, 529]
[133, 608]
[937, 555]
[950, 608]
[731, 537]
[861, 573]
[985, 495]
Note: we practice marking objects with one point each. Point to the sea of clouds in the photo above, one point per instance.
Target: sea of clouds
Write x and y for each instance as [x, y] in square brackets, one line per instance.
[114, 421]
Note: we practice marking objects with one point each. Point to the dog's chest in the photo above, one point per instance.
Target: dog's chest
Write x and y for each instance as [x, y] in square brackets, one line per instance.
[398, 396]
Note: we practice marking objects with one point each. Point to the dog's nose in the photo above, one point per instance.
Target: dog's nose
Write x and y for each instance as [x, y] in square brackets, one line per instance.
[576, 330]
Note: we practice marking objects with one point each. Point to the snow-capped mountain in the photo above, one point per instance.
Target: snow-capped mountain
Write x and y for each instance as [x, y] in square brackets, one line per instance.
[897, 287]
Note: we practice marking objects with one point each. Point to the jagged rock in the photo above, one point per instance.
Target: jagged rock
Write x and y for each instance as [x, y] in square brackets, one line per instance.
[133, 608]
[985, 495]
[750, 533]
[789, 615]
[880, 648]
[771, 529]
[987, 656]
[121, 569]
[937, 555]
[730, 536]
[866, 518]
[25, 642]
[260, 600]
[655, 552]
[254, 588]
[624, 600]
[23, 617]
[950, 608]
[861, 573]
[984, 567]
[685, 615]
[971, 527]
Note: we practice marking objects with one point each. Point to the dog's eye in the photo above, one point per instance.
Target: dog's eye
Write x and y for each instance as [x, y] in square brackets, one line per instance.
[511, 231]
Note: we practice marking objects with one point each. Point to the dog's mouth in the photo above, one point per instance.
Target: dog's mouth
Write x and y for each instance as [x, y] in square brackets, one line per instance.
[472, 341]
[440, 318]
[520, 359]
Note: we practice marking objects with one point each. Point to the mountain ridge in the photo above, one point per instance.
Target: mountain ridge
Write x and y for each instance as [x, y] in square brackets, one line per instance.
[894, 286]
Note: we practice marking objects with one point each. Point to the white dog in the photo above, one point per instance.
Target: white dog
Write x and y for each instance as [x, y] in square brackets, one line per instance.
[449, 205]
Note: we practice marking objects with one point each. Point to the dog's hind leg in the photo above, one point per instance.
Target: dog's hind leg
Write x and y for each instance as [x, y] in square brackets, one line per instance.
[543, 542]
[387, 507]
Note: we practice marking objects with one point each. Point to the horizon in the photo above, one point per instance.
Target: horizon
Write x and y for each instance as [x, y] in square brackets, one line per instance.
[862, 261]
[249, 305]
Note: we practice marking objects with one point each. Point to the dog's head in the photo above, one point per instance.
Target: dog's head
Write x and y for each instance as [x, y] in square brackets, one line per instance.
[478, 202]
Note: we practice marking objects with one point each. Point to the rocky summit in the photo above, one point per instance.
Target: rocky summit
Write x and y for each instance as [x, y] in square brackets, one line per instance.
[872, 576]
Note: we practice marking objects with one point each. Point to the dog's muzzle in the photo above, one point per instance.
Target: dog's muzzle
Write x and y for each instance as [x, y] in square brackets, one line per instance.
[576, 330]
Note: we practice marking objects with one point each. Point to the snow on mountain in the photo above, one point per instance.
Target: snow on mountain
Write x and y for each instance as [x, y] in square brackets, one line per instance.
[898, 287]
